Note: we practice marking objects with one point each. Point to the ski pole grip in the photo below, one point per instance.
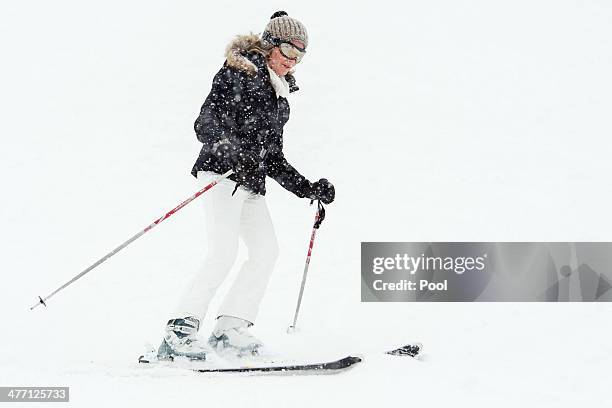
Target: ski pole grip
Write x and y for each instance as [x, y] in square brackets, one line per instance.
[320, 215]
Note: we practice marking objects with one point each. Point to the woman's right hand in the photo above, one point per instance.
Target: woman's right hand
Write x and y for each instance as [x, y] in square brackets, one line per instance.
[244, 162]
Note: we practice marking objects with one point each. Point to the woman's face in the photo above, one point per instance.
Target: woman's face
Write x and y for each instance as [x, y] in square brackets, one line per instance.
[279, 63]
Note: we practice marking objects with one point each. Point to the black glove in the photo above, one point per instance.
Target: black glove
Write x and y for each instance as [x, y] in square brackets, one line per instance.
[323, 190]
[244, 162]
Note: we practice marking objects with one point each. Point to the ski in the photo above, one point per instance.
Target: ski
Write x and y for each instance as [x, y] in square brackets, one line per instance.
[330, 367]
[410, 350]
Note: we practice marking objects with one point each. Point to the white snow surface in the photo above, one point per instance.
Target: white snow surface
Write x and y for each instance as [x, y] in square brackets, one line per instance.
[436, 121]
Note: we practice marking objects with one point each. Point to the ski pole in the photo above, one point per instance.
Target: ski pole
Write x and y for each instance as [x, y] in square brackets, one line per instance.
[42, 301]
[319, 217]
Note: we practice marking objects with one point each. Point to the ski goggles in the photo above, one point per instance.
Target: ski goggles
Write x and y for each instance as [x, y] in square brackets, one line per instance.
[286, 48]
[292, 52]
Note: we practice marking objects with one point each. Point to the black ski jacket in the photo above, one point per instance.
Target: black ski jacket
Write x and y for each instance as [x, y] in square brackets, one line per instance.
[243, 113]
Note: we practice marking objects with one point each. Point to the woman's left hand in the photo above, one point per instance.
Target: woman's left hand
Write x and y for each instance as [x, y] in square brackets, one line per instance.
[323, 190]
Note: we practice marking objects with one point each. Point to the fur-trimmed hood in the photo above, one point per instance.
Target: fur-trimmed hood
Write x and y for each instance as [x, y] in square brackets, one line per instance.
[236, 56]
[242, 44]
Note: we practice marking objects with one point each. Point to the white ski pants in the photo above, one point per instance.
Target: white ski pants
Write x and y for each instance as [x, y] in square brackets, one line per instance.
[228, 217]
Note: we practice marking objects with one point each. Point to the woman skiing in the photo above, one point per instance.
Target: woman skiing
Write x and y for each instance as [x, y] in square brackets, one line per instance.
[241, 128]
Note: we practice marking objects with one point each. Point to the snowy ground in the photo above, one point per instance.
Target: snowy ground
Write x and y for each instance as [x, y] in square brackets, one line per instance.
[442, 121]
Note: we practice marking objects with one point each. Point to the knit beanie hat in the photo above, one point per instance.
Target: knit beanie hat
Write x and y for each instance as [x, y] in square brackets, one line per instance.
[285, 28]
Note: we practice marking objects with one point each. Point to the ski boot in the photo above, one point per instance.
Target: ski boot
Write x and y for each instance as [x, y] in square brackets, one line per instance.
[231, 333]
[181, 340]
